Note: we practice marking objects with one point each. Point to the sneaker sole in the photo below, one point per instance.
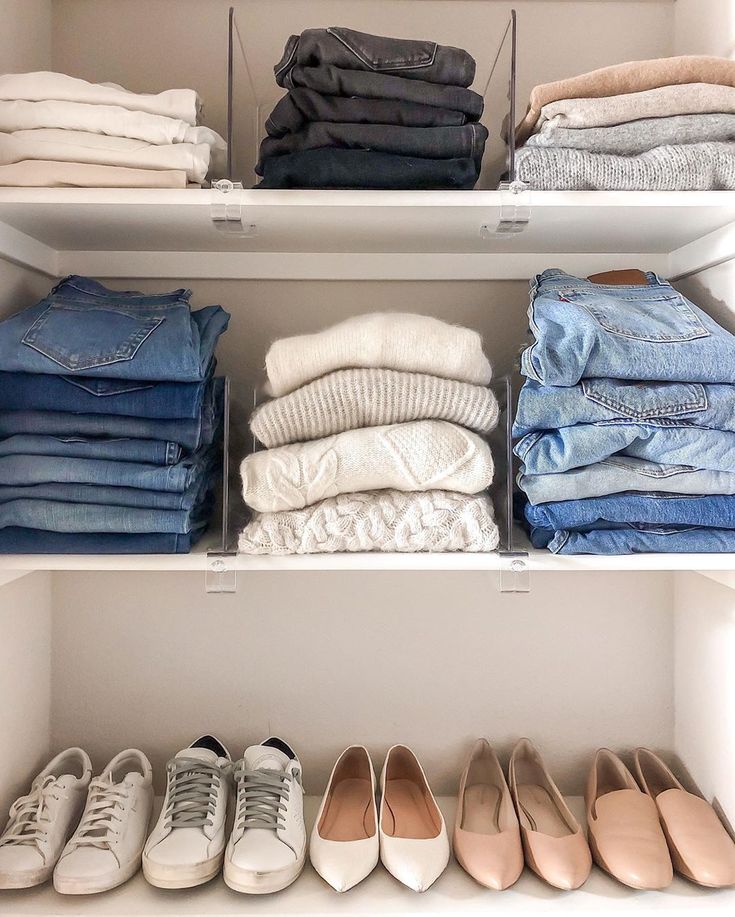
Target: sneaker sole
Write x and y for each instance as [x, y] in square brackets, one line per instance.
[84, 886]
[182, 877]
[249, 882]
[30, 879]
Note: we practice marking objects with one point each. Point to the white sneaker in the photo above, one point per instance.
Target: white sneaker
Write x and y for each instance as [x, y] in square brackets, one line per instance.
[267, 848]
[105, 849]
[187, 844]
[41, 822]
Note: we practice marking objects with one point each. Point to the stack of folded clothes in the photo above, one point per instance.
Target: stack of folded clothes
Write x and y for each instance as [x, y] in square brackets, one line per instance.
[370, 112]
[59, 131]
[110, 422]
[658, 125]
[626, 419]
[370, 442]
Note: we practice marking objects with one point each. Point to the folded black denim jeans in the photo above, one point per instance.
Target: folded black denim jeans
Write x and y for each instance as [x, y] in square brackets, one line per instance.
[351, 50]
[355, 83]
[331, 168]
[466, 142]
[302, 106]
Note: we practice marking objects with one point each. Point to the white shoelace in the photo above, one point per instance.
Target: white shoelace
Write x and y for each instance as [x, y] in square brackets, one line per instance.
[29, 816]
[102, 814]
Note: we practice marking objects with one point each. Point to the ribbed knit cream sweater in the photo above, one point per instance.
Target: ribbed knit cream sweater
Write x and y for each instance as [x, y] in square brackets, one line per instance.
[352, 398]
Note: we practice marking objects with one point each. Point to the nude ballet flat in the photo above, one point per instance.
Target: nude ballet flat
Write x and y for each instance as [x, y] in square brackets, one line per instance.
[487, 836]
[344, 844]
[552, 837]
[701, 848]
[623, 827]
[414, 846]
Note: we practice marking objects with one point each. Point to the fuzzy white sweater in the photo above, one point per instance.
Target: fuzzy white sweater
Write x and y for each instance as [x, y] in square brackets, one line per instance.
[423, 455]
[388, 340]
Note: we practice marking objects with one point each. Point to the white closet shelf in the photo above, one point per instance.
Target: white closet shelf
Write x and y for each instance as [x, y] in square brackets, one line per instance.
[454, 893]
[354, 235]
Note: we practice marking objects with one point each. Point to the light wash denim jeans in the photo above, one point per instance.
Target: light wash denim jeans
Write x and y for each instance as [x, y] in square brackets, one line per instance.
[151, 451]
[666, 442]
[547, 407]
[648, 332]
[645, 539]
[82, 328]
[622, 473]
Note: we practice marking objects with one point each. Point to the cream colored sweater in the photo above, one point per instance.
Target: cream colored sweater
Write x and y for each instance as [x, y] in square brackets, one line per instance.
[388, 340]
[382, 520]
[352, 398]
[424, 455]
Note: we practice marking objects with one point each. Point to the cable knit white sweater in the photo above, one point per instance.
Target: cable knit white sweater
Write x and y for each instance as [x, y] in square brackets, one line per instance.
[387, 340]
[423, 455]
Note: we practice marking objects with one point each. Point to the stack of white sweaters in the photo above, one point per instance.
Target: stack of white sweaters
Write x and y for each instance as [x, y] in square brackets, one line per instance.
[60, 131]
[372, 441]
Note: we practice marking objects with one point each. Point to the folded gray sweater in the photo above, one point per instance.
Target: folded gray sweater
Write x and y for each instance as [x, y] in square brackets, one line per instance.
[693, 167]
[638, 136]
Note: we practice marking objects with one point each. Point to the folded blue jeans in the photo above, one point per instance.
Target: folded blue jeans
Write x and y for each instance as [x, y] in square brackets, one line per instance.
[622, 473]
[645, 539]
[547, 407]
[666, 442]
[37, 541]
[646, 332]
[84, 329]
[151, 451]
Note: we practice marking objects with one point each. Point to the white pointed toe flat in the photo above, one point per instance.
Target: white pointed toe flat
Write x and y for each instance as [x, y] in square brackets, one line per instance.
[414, 846]
[344, 846]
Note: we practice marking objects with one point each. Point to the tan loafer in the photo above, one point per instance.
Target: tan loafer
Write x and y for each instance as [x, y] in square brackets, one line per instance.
[487, 836]
[623, 827]
[700, 847]
[553, 841]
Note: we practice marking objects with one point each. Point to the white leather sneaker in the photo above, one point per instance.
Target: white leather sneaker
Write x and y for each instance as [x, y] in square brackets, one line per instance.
[105, 849]
[187, 844]
[267, 848]
[414, 846]
[41, 822]
[344, 846]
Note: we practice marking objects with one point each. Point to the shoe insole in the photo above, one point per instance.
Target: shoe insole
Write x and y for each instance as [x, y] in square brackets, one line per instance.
[541, 811]
[347, 816]
[481, 812]
[407, 812]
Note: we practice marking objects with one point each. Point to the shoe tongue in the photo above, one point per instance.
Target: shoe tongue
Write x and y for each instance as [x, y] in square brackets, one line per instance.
[201, 754]
[263, 757]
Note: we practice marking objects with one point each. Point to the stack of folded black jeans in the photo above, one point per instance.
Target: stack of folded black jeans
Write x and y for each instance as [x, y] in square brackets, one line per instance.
[364, 111]
[110, 422]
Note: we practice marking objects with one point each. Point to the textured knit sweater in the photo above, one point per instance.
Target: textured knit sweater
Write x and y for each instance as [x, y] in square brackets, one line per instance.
[388, 340]
[424, 455]
[385, 520]
[694, 167]
[352, 398]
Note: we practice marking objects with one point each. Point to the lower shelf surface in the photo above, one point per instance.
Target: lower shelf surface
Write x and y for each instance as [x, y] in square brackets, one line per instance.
[454, 893]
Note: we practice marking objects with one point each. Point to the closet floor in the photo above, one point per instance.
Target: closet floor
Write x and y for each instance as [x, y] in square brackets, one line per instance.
[453, 893]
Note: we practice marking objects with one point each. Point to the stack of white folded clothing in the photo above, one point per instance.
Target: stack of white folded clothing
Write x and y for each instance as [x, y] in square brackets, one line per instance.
[374, 441]
[60, 131]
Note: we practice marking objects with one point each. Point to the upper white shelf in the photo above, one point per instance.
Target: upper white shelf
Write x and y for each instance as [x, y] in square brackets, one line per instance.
[354, 235]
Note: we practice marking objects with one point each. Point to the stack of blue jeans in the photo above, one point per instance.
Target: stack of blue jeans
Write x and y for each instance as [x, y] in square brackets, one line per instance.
[626, 421]
[110, 422]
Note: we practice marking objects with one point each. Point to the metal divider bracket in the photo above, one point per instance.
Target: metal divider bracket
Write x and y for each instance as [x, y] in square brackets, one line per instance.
[227, 211]
[514, 572]
[515, 211]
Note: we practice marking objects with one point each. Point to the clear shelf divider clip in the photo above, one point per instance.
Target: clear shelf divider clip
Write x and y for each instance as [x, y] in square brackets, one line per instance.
[227, 210]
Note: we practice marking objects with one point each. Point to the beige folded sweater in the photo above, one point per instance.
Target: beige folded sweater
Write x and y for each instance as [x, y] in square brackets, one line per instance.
[388, 340]
[633, 76]
[424, 455]
[378, 520]
[352, 398]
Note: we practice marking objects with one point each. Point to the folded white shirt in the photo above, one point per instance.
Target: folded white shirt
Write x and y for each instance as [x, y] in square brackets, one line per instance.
[77, 146]
[43, 85]
[40, 174]
[112, 120]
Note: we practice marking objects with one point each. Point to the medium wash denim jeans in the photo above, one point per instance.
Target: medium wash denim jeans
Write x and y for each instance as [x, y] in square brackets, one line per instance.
[152, 451]
[648, 332]
[546, 407]
[83, 328]
[37, 541]
[641, 539]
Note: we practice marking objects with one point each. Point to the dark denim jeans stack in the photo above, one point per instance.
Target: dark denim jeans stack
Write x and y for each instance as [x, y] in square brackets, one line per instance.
[626, 421]
[110, 422]
[364, 111]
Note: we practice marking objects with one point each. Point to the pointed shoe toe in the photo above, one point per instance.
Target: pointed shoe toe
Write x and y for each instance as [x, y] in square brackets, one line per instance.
[494, 861]
[564, 862]
[344, 864]
[417, 864]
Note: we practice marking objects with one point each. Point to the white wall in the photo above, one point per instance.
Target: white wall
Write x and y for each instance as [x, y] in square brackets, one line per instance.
[20, 287]
[25, 35]
[705, 27]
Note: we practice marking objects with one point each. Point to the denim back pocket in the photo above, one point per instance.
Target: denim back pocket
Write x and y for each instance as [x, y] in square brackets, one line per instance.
[380, 53]
[82, 336]
[662, 317]
[104, 388]
[646, 400]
